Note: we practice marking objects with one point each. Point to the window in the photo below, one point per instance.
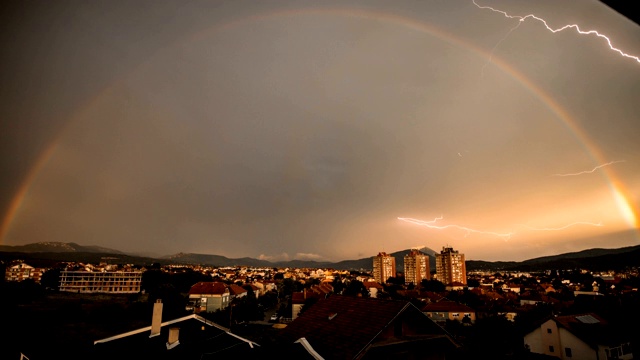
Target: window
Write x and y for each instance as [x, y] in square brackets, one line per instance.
[548, 331]
[550, 348]
[567, 352]
[614, 353]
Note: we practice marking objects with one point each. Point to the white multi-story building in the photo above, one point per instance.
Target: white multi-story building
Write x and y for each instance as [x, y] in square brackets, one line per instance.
[113, 282]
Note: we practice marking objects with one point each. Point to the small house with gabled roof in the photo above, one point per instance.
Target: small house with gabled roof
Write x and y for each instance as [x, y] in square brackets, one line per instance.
[585, 336]
[187, 338]
[345, 327]
[209, 296]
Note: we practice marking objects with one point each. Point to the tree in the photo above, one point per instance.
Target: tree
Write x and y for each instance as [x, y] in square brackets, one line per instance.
[338, 285]
[474, 283]
[269, 299]
[289, 287]
[246, 309]
[311, 282]
[221, 316]
[356, 288]
[397, 280]
[51, 279]
[432, 285]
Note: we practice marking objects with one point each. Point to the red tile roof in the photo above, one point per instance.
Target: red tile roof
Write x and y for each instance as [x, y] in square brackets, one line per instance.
[372, 284]
[591, 328]
[208, 288]
[447, 306]
[341, 327]
[236, 290]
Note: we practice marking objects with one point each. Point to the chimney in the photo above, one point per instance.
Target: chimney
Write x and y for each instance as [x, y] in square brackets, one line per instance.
[156, 320]
[173, 338]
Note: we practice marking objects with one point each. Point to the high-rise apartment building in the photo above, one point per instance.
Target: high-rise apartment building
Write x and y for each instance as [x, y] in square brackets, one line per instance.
[416, 267]
[384, 267]
[450, 266]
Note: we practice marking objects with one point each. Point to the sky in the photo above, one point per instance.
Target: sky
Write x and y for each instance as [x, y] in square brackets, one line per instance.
[320, 130]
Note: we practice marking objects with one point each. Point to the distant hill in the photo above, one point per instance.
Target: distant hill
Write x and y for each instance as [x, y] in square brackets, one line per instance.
[360, 264]
[50, 259]
[57, 247]
[367, 263]
[594, 259]
[216, 260]
[584, 254]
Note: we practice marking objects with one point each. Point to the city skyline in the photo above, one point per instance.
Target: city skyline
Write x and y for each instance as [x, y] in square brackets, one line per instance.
[321, 131]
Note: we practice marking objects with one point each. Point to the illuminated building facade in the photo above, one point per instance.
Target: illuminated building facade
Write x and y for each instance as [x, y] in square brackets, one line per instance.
[450, 266]
[384, 267]
[22, 271]
[111, 282]
[416, 267]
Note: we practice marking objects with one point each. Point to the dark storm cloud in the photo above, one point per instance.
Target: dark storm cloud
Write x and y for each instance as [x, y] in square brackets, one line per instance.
[247, 129]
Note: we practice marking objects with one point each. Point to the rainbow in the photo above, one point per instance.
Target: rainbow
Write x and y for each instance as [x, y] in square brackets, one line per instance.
[616, 186]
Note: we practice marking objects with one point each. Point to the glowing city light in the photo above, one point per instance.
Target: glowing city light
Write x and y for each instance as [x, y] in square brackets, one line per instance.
[574, 26]
[590, 171]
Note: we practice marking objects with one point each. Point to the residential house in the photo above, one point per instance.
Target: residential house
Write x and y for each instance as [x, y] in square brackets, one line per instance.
[444, 310]
[256, 290]
[187, 338]
[455, 286]
[586, 336]
[511, 287]
[373, 288]
[345, 327]
[21, 271]
[209, 296]
[237, 291]
[324, 288]
[269, 285]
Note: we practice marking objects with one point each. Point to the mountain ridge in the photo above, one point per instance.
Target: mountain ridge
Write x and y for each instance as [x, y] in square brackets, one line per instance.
[589, 258]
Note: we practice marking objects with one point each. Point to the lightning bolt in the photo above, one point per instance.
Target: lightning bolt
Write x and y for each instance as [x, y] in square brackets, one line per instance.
[562, 227]
[590, 171]
[498, 44]
[574, 26]
[430, 224]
